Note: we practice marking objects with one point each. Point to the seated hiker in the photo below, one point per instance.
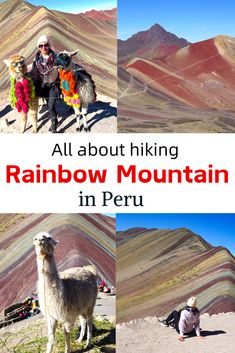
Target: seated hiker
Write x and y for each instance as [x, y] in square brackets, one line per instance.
[186, 321]
[35, 307]
[106, 289]
[25, 313]
[101, 286]
[113, 290]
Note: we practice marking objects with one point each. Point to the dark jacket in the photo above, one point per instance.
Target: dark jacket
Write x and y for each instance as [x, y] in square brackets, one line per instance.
[42, 82]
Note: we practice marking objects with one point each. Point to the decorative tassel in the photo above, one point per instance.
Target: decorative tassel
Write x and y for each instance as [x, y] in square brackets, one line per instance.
[68, 87]
[21, 94]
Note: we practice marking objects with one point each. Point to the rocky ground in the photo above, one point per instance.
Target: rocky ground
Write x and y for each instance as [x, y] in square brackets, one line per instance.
[106, 306]
[146, 335]
[102, 117]
[16, 337]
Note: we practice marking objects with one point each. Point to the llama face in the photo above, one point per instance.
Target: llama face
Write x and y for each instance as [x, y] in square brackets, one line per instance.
[44, 244]
[63, 60]
[17, 66]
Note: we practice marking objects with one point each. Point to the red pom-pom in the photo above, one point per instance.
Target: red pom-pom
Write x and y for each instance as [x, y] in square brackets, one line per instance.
[25, 107]
[18, 107]
[23, 95]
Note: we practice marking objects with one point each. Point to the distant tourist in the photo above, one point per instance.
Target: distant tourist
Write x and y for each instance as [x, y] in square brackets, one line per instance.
[101, 285]
[186, 321]
[46, 77]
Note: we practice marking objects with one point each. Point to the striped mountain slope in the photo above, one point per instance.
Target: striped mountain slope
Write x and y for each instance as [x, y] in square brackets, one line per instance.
[95, 39]
[83, 239]
[157, 270]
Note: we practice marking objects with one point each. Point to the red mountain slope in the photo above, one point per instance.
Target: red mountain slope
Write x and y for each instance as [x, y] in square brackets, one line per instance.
[201, 75]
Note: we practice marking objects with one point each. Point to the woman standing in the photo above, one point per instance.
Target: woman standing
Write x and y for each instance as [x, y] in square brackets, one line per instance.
[46, 77]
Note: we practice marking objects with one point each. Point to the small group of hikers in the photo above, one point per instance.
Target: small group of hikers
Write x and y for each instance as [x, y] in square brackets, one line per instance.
[30, 306]
[46, 77]
[185, 321]
[103, 287]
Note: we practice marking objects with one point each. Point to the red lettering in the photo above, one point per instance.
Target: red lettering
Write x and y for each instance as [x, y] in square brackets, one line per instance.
[121, 172]
[12, 172]
[97, 175]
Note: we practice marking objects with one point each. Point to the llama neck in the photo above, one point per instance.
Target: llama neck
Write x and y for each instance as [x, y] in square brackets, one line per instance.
[18, 76]
[47, 268]
[50, 286]
[70, 67]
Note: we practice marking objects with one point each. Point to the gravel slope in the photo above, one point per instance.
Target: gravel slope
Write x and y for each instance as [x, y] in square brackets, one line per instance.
[146, 335]
[102, 117]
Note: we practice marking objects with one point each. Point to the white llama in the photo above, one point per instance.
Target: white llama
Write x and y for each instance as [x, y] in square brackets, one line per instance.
[22, 91]
[65, 296]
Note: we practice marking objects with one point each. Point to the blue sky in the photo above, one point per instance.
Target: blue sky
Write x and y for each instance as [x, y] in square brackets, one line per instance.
[76, 6]
[192, 20]
[217, 229]
[113, 215]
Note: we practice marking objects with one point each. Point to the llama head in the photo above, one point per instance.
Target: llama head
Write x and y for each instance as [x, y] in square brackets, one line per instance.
[63, 60]
[17, 65]
[44, 244]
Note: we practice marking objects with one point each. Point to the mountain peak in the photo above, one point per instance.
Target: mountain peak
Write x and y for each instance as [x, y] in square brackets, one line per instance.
[103, 15]
[153, 42]
[17, 2]
[7, 8]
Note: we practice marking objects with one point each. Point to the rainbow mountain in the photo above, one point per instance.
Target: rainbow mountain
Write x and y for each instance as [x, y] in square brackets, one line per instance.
[93, 33]
[158, 269]
[83, 239]
[167, 84]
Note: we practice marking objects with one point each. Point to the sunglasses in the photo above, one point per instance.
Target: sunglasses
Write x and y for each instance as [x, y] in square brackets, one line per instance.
[44, 45]
[21, 62]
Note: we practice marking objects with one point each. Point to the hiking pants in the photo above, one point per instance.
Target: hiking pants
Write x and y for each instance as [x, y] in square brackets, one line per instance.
[174, 317]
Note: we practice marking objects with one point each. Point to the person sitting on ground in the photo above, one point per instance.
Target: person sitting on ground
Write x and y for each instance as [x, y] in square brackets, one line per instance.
[186, 321]
[106, 289]
[113, 290]
[101, 286]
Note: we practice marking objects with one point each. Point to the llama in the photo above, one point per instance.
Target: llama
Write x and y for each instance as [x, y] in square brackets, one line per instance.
[77, 86]
[22, 91]
[65, 296]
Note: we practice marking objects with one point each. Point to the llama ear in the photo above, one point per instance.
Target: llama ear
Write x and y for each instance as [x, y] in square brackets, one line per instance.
[7, 62]
[72, 53]
[54, 242]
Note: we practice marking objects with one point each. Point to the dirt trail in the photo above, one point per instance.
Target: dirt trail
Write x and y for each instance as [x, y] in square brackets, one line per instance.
[102, 117]
[146, 335]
